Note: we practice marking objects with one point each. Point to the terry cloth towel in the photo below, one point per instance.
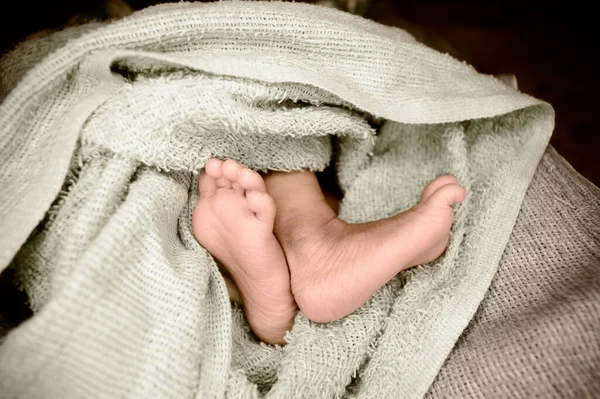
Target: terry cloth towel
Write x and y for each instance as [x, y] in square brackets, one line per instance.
[104, 128]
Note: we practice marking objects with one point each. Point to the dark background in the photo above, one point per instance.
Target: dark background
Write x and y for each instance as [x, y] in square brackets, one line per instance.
[550, 46]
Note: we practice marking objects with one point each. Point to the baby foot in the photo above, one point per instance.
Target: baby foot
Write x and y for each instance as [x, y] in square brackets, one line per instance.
[234, 222]
[336, 267]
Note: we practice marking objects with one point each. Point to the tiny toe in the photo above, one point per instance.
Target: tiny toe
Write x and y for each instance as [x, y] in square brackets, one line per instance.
[206, 184]
[447, 195]
[251, 180]
[262, 204]
[436, 183]
[213, 168]
[231, 169]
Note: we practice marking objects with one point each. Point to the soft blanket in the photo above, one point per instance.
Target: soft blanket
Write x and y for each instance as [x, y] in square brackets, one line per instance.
[535, 335]
[104, 129]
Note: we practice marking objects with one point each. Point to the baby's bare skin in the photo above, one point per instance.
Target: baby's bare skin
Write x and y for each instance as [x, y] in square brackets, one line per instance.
[234, 222]
[282, 243]
[335, 267]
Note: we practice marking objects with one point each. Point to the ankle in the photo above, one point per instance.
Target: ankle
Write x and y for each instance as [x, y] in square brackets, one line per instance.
[313, 241]
[294, 222]
[298, 228]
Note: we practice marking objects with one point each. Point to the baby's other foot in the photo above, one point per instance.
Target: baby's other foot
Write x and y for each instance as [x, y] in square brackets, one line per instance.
[336, 266]
[234, 220]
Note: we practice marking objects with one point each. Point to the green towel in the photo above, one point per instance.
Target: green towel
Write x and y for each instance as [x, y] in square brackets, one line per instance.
[104, 129]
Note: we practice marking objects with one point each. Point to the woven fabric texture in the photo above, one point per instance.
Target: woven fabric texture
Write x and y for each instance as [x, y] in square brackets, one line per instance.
[100, 145]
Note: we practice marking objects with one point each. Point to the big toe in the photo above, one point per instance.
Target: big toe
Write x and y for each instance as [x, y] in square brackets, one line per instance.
[436, 184]
[447, 195]
[213, 168]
